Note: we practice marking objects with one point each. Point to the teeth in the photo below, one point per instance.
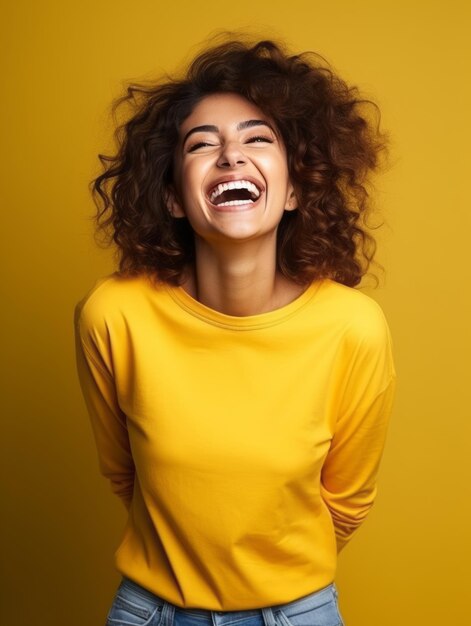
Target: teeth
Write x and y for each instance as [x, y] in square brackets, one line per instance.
[235, 202]
[236, 184]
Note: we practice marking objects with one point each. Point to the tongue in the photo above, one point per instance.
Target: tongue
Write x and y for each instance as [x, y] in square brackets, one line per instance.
[233, 194]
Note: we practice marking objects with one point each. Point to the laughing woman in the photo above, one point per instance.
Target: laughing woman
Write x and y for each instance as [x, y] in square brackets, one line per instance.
[238, 385]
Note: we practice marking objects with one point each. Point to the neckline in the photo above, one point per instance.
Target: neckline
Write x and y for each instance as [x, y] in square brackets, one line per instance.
[248, 322]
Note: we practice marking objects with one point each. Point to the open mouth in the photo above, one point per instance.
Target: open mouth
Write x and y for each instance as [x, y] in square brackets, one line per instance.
[234, 193]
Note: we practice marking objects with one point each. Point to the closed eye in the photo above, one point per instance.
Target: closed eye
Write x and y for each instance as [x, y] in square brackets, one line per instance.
[259, 138]
[255, 139]
[200, 144]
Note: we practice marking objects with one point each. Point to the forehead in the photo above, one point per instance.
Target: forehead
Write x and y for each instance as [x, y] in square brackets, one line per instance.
[222, 109]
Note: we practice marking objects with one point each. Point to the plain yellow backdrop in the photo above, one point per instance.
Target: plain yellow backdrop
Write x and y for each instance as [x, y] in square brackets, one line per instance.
[62, 63]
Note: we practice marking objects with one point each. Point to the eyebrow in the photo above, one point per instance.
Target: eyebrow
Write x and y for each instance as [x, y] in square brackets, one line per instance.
[210, 128]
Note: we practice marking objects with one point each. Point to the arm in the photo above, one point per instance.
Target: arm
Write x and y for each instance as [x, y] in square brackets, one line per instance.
[108, 421]
[364, 403]
[348, 479]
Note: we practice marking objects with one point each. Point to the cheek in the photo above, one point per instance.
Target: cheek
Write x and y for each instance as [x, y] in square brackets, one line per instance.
[193, 176]
[275, 165]
[192, 186]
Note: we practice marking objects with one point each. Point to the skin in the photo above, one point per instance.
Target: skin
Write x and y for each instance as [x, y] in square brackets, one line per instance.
[235, 269]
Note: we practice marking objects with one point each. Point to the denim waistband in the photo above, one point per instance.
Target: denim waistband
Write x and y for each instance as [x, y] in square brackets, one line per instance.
[305, 603]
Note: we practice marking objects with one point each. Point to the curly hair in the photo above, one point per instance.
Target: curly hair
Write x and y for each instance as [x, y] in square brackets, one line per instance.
[333, 143]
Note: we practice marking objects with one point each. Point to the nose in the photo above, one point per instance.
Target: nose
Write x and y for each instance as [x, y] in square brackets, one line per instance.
[231, 155]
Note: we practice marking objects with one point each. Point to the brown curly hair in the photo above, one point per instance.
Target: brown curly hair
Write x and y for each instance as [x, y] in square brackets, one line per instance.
[333, 143]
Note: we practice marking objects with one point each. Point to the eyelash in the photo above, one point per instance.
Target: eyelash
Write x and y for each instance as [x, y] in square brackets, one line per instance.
[201, 144]
[255, 139]
[262, 137]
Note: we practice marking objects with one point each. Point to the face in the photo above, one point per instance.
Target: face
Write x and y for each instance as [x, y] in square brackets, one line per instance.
[231, 172]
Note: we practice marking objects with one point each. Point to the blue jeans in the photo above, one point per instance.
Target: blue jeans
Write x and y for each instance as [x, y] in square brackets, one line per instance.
[135, 606]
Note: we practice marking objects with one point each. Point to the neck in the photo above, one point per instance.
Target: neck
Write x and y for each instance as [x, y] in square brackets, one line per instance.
[239, 279]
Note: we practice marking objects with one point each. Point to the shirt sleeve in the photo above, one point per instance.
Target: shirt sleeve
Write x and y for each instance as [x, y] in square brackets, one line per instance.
[349, 474]
[108, 421]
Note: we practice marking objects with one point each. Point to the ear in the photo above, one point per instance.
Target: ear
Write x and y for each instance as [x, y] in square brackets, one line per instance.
[291, 201]
[174, 204]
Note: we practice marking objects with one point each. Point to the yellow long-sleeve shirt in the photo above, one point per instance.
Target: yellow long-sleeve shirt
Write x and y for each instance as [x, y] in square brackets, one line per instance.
[245, 448]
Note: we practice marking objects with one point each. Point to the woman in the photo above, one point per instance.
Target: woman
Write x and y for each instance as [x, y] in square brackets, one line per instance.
[239, 386]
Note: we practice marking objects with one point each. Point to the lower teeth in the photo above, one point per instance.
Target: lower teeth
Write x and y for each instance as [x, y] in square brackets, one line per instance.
[235, 202]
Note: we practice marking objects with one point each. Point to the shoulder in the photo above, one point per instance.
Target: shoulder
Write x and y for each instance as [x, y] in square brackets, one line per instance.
[109, 300]
[364, 338]
[97, 300]
[351, 305]
[358, 317]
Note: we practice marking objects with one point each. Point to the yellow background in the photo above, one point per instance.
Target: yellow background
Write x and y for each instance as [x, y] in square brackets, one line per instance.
[62, 63]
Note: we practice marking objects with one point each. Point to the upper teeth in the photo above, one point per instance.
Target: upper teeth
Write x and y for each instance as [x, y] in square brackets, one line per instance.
[235, 184]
